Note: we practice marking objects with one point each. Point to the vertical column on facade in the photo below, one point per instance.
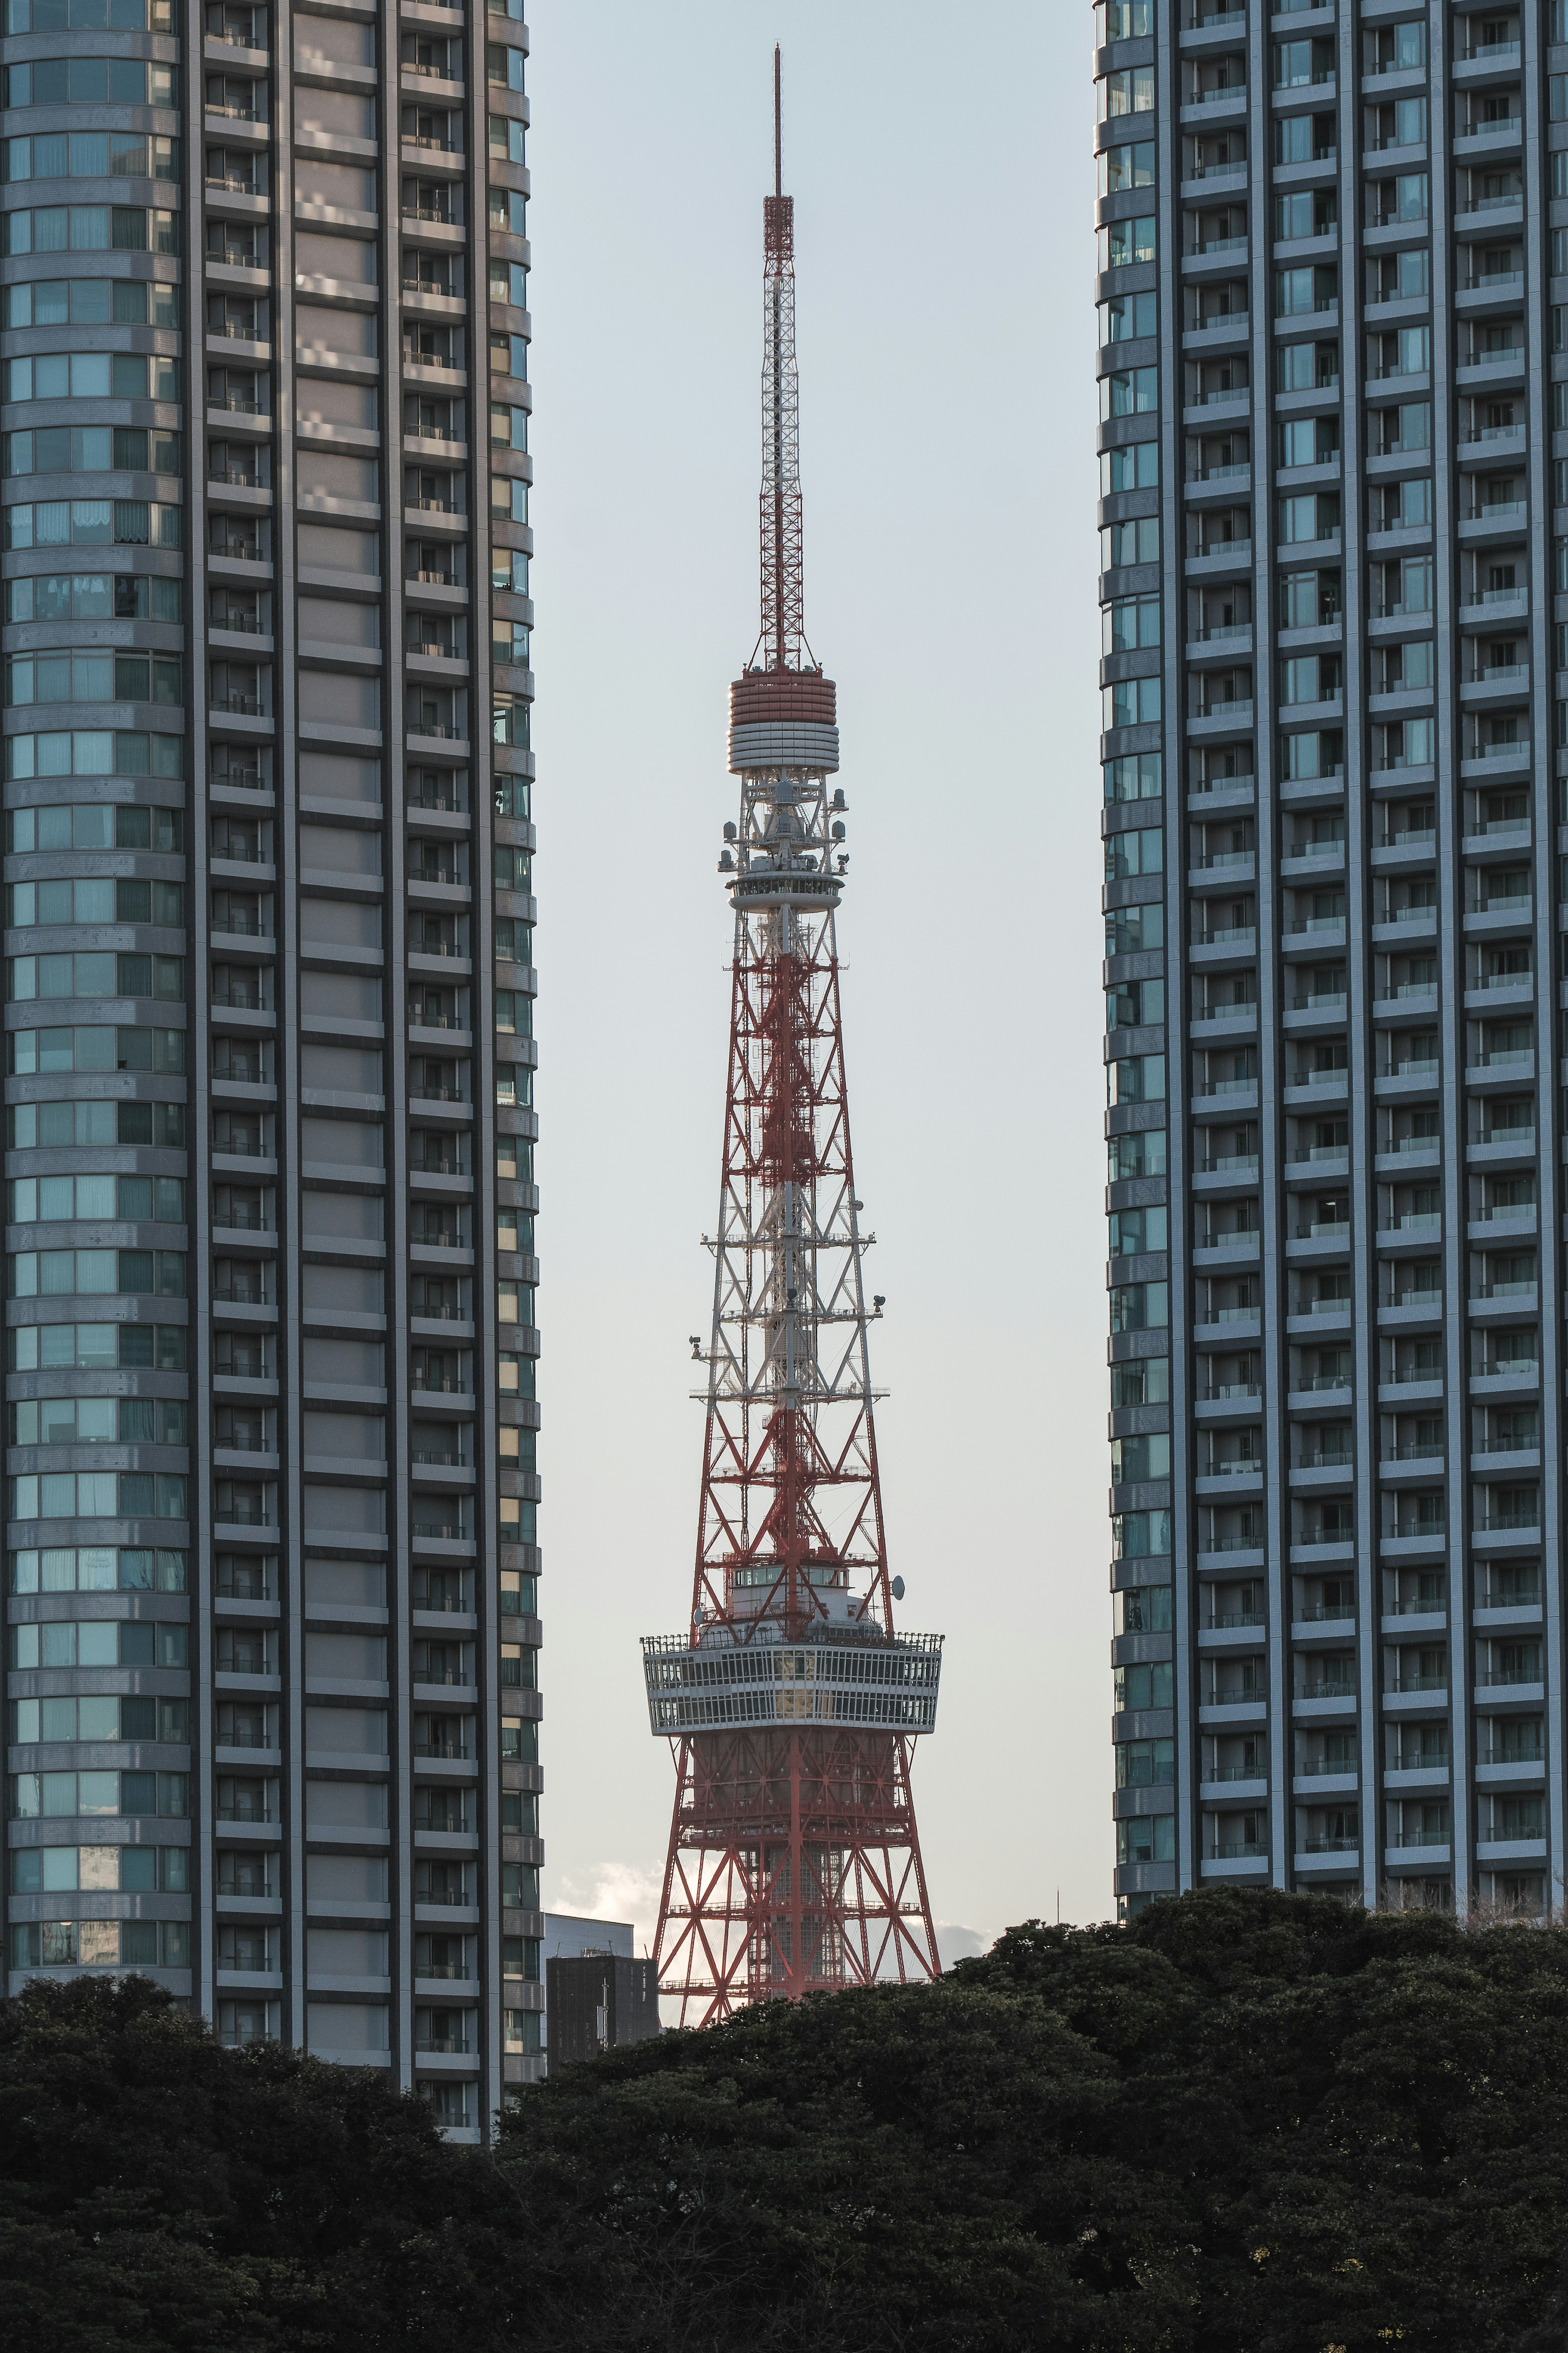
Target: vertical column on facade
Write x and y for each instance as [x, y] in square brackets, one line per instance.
[507, 1197]
[1135, 443]
[235, 1148]
[1172, 963]
[1221, 1373]
[100, 1868]
[486, 1524]
[1552, 950]
[1540, 501]
[1269, 969]
[1355, 427]
[205, 1853]
[392, 264]
[1451, 950]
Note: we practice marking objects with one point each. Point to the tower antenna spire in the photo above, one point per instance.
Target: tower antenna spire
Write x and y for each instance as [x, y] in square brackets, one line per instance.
[780, 642]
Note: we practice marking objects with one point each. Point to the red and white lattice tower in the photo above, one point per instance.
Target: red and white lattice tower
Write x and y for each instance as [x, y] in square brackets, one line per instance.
[791, 1705]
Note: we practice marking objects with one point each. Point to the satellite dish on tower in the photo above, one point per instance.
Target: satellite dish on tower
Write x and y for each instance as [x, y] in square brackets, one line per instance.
[897, 1588]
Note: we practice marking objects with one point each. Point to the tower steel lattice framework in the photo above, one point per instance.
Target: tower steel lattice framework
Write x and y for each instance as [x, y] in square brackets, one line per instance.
[791, 1704]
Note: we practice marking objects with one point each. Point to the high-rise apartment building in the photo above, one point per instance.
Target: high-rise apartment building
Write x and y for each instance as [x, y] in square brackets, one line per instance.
[1333, 378]
[269, 1549]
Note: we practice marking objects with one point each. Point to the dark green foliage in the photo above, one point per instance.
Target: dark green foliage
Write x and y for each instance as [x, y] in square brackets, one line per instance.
[1249, 2124]
[158, 2192]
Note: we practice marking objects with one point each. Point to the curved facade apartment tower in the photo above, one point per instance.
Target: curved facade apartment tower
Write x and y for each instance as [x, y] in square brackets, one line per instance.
[1333, 372]
[270, 1494]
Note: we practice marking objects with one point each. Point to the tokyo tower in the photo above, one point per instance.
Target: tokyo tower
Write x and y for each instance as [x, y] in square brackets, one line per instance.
[791, 1705]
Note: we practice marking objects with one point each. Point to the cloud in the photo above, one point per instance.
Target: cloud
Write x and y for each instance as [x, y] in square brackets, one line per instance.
[955, 1943]
[612, 1891]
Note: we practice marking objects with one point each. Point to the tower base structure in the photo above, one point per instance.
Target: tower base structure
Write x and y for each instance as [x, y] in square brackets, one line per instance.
[794, 1868]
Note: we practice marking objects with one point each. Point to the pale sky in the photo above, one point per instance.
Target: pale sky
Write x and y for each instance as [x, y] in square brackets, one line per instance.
[942, 168]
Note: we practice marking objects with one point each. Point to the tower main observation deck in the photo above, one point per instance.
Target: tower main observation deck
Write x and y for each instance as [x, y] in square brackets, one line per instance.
[791, 1701]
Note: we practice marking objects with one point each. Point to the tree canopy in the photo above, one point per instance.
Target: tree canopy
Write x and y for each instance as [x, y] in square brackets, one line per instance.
[1250, 2123]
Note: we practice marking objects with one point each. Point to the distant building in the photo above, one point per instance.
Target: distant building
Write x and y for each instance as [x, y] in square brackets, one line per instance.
[595, 1999]
[616, 2003]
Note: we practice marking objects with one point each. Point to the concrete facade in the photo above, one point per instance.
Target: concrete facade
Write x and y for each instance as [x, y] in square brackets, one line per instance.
[271, 1589]
[1333, 367]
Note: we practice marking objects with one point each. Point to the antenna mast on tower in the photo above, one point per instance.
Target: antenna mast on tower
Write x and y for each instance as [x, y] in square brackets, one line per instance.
[790, 1704]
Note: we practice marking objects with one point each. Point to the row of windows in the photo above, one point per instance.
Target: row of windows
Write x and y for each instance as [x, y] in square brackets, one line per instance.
[91, 155]
[97, 1420]
[91, 523]
[90, 302]
[37, 1199]
[99, 1495]
[92, 973]
[96, 1347]
[63, 1275]
[89, 16]
[36, 1052]
[93, 450]
[95, 899]
[98, 1568]
[91, 597]
[101, 1716]
[101, 1944]
[123, 1870]
[94, 825]
[100, 1643]
[81, 81]
[58, 1796]
[70, 677]
[91, 376]
[94, 752]
[88, 228]
[93, 1123]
